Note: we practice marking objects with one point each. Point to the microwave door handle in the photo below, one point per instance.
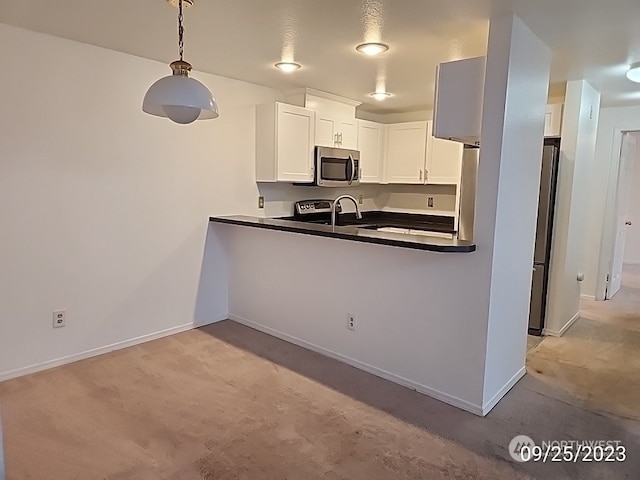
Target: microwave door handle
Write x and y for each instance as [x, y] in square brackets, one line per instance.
[353, 169]
[347, 175]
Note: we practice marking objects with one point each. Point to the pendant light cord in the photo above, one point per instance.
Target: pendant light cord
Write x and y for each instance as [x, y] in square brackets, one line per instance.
[180, 30]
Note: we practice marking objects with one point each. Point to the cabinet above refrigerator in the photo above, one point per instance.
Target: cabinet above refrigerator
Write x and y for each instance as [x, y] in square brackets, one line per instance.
[458, 99]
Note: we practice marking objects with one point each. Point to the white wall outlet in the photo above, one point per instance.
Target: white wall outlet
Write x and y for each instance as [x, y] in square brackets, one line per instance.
[59, 318]
[351, 322]
[260, 201]
[430, 202]
[361, 199]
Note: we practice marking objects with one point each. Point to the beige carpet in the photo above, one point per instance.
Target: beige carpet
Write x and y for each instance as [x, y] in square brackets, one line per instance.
[195, 406]
[227, 402]
[596, 364]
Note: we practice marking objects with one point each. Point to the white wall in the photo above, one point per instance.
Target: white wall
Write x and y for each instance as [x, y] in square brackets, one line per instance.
[603, 187]
[577, 150]
[632, 243]
[104, 209]
[418, 320]
[515, 96]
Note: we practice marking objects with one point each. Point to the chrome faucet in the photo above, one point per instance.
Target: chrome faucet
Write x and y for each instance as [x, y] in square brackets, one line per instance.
[335, 204]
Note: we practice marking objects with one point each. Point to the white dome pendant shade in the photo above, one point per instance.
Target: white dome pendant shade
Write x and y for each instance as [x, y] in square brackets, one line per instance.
[179, 97]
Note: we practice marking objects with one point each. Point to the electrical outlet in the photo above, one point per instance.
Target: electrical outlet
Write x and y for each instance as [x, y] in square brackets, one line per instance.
[260, 201]
[351, 322]
[430, 202]
[361, 199]
[59, 318]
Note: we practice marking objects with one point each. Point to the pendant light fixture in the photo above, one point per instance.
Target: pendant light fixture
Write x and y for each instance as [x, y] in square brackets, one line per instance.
[634, 72]
[178, 97]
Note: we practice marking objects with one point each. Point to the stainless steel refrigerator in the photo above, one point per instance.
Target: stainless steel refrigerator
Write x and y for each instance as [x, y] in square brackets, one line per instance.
[546, 204]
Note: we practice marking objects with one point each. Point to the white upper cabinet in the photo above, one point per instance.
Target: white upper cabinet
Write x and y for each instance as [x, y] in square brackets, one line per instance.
[348, 131]
[553, 120]
[457, 111]
[336, 124]
[406, 152]
[444, 162]
[414, 156]
[371, 147]
[284, 143]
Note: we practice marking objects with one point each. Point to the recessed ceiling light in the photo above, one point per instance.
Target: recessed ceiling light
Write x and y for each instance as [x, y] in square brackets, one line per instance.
[288, 67]
[634, 72]
[372, 48]
[380, 96]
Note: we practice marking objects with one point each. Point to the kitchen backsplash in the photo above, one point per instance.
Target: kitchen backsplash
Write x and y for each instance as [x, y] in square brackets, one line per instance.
[279, 197]
[416, 199]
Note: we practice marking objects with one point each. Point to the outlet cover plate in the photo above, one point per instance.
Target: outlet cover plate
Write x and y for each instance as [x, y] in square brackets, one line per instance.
[59, 318]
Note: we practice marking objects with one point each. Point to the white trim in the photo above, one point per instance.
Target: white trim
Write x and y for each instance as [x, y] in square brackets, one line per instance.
[559, 333]
[587, 297]
[405, 382]
[38, 367]
[488, 406]
[2, 470]
[321, 94]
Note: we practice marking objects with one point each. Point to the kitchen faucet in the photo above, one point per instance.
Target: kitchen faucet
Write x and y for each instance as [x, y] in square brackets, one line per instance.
[335, 204]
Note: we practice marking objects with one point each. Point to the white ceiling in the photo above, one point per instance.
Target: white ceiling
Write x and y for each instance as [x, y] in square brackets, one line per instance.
[592, 39]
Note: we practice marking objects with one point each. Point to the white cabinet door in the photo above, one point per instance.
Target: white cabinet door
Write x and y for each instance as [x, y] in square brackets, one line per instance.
[348, 133]
[295, 143]
[284, 143]
[326, 131]
[370, 136]
[405, 153]
[444, 163]
[553, 120]
[458, 100]
[336, 124]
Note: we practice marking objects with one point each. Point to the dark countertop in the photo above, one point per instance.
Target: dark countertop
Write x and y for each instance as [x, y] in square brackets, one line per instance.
[354, 233]
[433, 223]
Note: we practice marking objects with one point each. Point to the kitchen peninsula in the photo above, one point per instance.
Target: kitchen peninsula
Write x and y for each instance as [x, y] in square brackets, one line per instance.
[303, 282]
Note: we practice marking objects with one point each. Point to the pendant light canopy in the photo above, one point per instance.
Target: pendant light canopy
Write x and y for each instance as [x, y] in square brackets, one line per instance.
[179, 97]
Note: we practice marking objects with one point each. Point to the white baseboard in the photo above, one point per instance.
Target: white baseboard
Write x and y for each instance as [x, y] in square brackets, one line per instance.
[392, 377]
[587, 297]
[488, 406]
[38, 367]
[559, 333]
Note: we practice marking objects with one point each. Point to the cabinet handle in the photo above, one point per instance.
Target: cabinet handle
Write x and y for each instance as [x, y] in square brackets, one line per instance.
[340, 136]
[420, 174]
[426, 174]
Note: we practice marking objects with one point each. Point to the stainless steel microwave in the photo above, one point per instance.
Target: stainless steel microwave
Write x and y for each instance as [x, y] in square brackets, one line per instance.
[337, 167]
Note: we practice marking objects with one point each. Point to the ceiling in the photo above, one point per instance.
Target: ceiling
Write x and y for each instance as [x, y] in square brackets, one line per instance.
[242, 39]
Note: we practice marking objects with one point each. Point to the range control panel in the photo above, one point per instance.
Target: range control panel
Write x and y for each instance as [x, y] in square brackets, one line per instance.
[306, 207]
